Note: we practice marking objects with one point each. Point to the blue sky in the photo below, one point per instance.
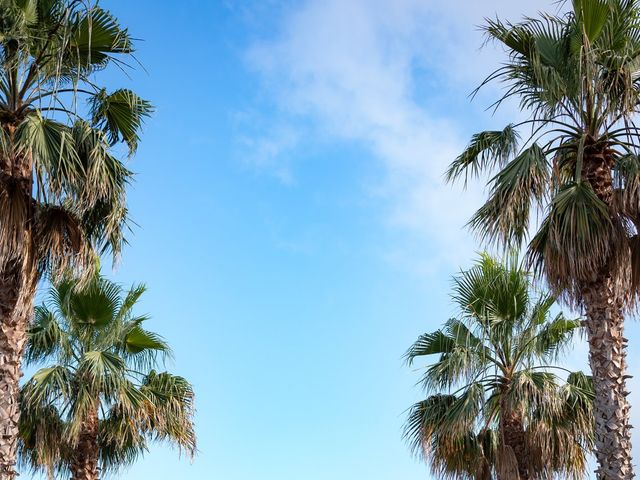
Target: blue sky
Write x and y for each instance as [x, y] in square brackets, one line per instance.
[295, 232]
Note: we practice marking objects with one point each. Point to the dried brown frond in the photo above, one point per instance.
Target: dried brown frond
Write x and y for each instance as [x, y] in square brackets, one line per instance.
[60, 241]
[14, 205]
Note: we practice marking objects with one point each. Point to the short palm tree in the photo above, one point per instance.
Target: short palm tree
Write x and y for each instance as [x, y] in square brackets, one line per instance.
[495, 407]
[574, 162]
[98, 402]
[62, 186]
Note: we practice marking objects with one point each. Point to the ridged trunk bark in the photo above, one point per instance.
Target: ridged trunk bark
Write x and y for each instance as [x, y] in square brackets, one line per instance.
[18, 277]
[84, 465]
[514, 437]
[14, 311]
[607, 357]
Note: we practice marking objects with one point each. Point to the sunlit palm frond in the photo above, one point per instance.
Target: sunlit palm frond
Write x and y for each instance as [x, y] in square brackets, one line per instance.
[492, 366]
[120, 115]
[100, 362]
[429, 344]
[172, 409]
[48, 385]
[515, 190]
[485, 150]
[95, 38]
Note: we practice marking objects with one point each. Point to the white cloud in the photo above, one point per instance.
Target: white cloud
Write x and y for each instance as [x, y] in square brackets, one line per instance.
[350, 67]
[351, 70]
[267, 152]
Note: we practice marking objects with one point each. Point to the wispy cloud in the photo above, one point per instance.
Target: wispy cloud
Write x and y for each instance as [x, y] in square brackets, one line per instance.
[354, 69]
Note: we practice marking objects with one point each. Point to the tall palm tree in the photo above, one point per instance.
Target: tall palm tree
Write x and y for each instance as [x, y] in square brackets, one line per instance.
[575, 163]
[98, 402]
[62, 186]
[495, 407]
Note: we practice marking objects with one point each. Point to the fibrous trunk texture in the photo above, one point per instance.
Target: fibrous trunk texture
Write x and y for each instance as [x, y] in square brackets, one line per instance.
[608, 365]
[17, 286]
[514, 437]
[14, 311]
[484, 472]
[84, 465]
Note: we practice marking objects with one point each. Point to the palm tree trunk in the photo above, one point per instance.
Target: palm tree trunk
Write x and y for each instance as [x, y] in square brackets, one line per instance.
[514, 437]
[84, 465]
[15, 299]
[607, 356]
[18, 277]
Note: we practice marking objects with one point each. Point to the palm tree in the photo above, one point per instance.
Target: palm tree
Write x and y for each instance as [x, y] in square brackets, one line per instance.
[62, 187]
[98, 402]
[575, 163]
[495, 408]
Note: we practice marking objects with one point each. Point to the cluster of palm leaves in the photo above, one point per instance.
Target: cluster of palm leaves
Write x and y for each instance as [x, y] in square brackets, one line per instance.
[498, 407]
[98, 401]
[63, 139]
[60, 176]
[565, 182]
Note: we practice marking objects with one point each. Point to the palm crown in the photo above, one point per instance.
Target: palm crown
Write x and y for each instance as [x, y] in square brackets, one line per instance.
[577, 76]
[98, 400]
[495, 406]
[58, 170]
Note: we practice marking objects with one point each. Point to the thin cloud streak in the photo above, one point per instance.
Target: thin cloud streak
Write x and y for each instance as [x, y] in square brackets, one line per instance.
[350, 66]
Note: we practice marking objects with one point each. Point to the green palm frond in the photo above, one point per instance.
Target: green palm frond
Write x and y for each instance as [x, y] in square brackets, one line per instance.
[492, 291]
[93, 305]
[138, 340]
[54, 147]
[104, 176]
[142, 348]
[100, 362]
[429, 344]
[592, 16]
[48, 385]
[461, 363]
[540, 311]
[57, 152]
[96, 37]
[485, 150]
[130, 400]
[464, 337]
[491, 363]
[46, 337]
[120, 115]
[555, 336]
[130, 300]
[518, 187]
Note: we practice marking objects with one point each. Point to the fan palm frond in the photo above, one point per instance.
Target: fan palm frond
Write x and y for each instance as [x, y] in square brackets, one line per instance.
[100, 365]
[492, 372]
